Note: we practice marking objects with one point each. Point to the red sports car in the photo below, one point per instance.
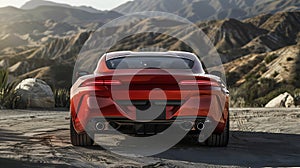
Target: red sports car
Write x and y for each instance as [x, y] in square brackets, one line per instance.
[125, 85]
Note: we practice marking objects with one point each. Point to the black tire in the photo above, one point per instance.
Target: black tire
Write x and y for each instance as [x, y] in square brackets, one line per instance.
[79, 139]
[221, 139]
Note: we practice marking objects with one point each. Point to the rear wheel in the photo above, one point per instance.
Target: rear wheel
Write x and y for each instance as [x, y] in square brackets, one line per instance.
[221, 139]
[79, 139]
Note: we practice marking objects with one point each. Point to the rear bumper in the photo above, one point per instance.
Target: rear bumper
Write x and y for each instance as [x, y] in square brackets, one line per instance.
[126, 126]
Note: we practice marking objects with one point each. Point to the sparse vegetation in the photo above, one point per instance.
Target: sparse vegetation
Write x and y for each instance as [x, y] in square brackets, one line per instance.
[252, 76]
[263, 69]
[236, 101]
[3, 78]
[7, 92]
[232, 78]
[62, 98]
[247, 94]
[270, 58]
[296, 95]
[275, 74]
[257, 93]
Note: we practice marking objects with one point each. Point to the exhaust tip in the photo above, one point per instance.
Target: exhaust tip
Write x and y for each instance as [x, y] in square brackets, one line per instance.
[100, 126]
[200, 126]
[187, 125]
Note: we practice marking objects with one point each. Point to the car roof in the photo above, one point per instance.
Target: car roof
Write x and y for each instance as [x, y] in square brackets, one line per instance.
[180, 54]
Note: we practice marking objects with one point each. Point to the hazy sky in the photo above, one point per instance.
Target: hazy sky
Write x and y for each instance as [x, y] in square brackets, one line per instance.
[98, 4]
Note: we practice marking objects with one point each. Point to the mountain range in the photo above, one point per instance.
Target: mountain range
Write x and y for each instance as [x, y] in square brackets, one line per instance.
[198, 10]
[57, 13]
[258, 41]
[194, 10]
[37, 3]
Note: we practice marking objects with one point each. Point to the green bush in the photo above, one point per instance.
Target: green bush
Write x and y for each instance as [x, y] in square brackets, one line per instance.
[3, 78]
[232, 78]
[253, 89]
[270, 58]
[7, 90]
[263, 68]
[275, 74]
[62, 98]
[296, 95]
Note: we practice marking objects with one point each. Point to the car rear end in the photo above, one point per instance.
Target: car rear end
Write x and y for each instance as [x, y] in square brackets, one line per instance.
[118, 97]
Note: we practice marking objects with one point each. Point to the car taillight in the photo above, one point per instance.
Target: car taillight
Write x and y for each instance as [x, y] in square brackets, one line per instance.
[199, 83]
[100, 83]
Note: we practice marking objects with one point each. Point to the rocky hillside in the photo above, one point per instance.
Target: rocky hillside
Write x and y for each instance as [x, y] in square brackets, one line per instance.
[232, 38]
[197, 10]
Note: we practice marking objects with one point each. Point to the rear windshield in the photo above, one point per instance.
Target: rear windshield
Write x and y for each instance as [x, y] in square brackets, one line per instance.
[149, 62]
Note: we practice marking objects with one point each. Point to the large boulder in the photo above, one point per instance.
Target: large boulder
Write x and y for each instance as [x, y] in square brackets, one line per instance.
[283, 100]
[34, 93]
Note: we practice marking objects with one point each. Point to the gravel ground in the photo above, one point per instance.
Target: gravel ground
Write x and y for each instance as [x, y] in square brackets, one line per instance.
[259, 137]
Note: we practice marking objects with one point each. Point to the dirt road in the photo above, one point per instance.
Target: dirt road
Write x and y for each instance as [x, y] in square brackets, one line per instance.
[259, 137]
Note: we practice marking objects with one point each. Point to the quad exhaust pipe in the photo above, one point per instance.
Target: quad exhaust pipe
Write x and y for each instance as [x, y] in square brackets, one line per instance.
[200, 126]
[187, 125]
[100, 126]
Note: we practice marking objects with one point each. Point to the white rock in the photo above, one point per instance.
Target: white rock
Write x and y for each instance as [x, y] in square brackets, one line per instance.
[290, 101]
[34, 93]
[283, 100]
